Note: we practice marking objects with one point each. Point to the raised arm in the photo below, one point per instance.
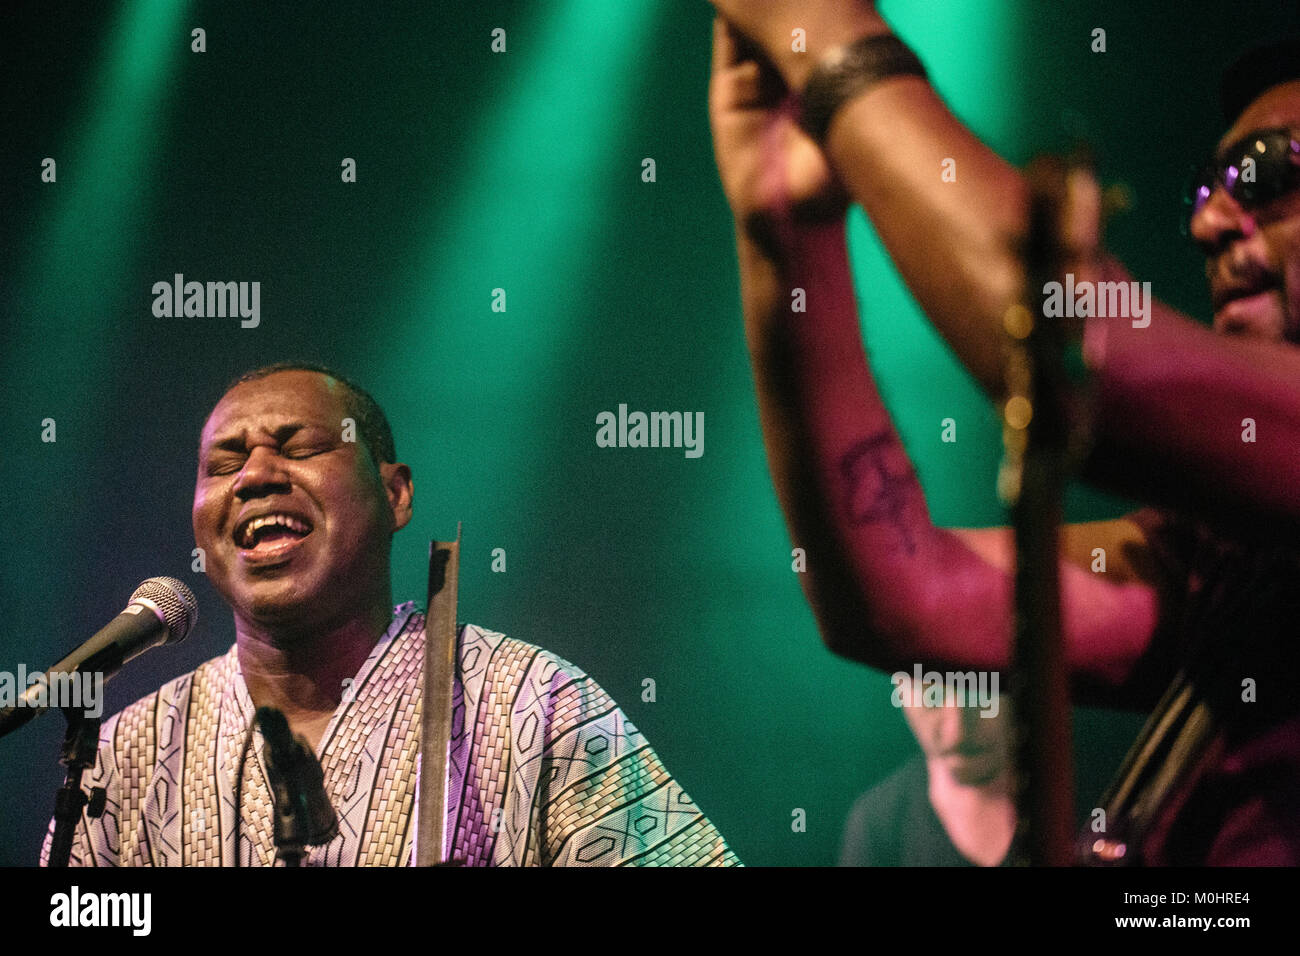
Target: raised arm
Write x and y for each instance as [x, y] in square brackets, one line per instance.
[888, 587]
[949, 240]
[1174, 399]
[1197, 420]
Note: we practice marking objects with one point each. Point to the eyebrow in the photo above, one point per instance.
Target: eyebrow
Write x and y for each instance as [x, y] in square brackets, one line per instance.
[1238, 146]
[281, 434]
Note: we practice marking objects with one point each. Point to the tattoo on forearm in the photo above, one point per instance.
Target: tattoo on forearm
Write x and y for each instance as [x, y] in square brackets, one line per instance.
[874, 493]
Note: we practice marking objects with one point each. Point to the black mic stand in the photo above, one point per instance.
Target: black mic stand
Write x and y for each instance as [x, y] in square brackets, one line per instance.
[80, 744]
[290, 832]
[303, 815]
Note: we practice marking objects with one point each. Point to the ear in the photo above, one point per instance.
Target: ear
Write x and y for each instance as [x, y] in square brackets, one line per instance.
[400, 490]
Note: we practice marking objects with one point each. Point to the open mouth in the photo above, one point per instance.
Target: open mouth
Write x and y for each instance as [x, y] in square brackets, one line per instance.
[1242, 295]
[1262, 284]
[270, 537]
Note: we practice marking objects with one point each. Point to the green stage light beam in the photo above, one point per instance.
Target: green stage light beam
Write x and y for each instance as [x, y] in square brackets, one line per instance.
[531, 184]
[85, 230]
[518, 214]
[70, 286]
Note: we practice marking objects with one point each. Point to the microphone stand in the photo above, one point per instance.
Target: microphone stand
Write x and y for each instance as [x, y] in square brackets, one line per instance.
[80, 744]
[303, 815]
[290, 832]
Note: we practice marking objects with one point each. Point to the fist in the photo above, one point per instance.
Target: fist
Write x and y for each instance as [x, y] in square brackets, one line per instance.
[771, 170]
[795, 34]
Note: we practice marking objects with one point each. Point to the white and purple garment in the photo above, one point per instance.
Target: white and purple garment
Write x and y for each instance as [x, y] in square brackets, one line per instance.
[544, 770]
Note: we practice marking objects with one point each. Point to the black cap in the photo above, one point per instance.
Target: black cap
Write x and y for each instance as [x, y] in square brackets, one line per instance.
[1256, 71]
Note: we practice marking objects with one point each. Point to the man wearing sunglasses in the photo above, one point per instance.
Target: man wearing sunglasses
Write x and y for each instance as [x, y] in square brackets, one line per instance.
[1245, 187]
[1205, 427]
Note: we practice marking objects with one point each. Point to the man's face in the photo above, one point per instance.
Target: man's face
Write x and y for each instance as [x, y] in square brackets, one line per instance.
[273, 449]
[975, 749]
[1253, 256]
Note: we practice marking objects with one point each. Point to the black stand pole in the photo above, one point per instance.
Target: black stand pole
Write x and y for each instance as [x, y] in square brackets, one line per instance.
[289, 833]
[1039, 438]
[80, 744]
[303, 814]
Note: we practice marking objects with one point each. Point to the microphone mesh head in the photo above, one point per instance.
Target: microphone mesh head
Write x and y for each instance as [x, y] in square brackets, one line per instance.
[175, 600]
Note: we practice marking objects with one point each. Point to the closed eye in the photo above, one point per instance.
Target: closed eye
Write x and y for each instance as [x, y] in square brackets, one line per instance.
[225, 466]
[307, 451]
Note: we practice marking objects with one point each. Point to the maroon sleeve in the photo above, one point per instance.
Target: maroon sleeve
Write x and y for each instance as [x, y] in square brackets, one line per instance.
[1194, 420]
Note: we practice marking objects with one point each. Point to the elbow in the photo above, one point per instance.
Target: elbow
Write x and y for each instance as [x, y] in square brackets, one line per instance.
[862, 645]
[878, 611]
[881, 635]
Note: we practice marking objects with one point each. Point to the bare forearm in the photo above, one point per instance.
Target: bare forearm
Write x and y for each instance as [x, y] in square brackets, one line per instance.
[848, 490]
[888, 588]
[1191, 419]
[951, 240]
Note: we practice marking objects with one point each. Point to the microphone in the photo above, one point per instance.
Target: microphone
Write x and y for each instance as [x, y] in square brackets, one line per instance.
[303, 813]
[161, 611]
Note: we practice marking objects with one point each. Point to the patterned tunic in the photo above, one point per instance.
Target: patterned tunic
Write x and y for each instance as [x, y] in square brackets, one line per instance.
[544, 770]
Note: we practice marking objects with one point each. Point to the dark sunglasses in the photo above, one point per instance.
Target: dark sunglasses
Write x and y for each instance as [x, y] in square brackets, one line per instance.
[1255, 170]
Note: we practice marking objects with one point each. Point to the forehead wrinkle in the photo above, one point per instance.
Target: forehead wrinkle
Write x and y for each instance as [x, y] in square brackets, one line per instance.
[239, 423]
[313, 400]
[281, 434]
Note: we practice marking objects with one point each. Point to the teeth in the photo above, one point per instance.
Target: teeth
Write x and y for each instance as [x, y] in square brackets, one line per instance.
[287, 521]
